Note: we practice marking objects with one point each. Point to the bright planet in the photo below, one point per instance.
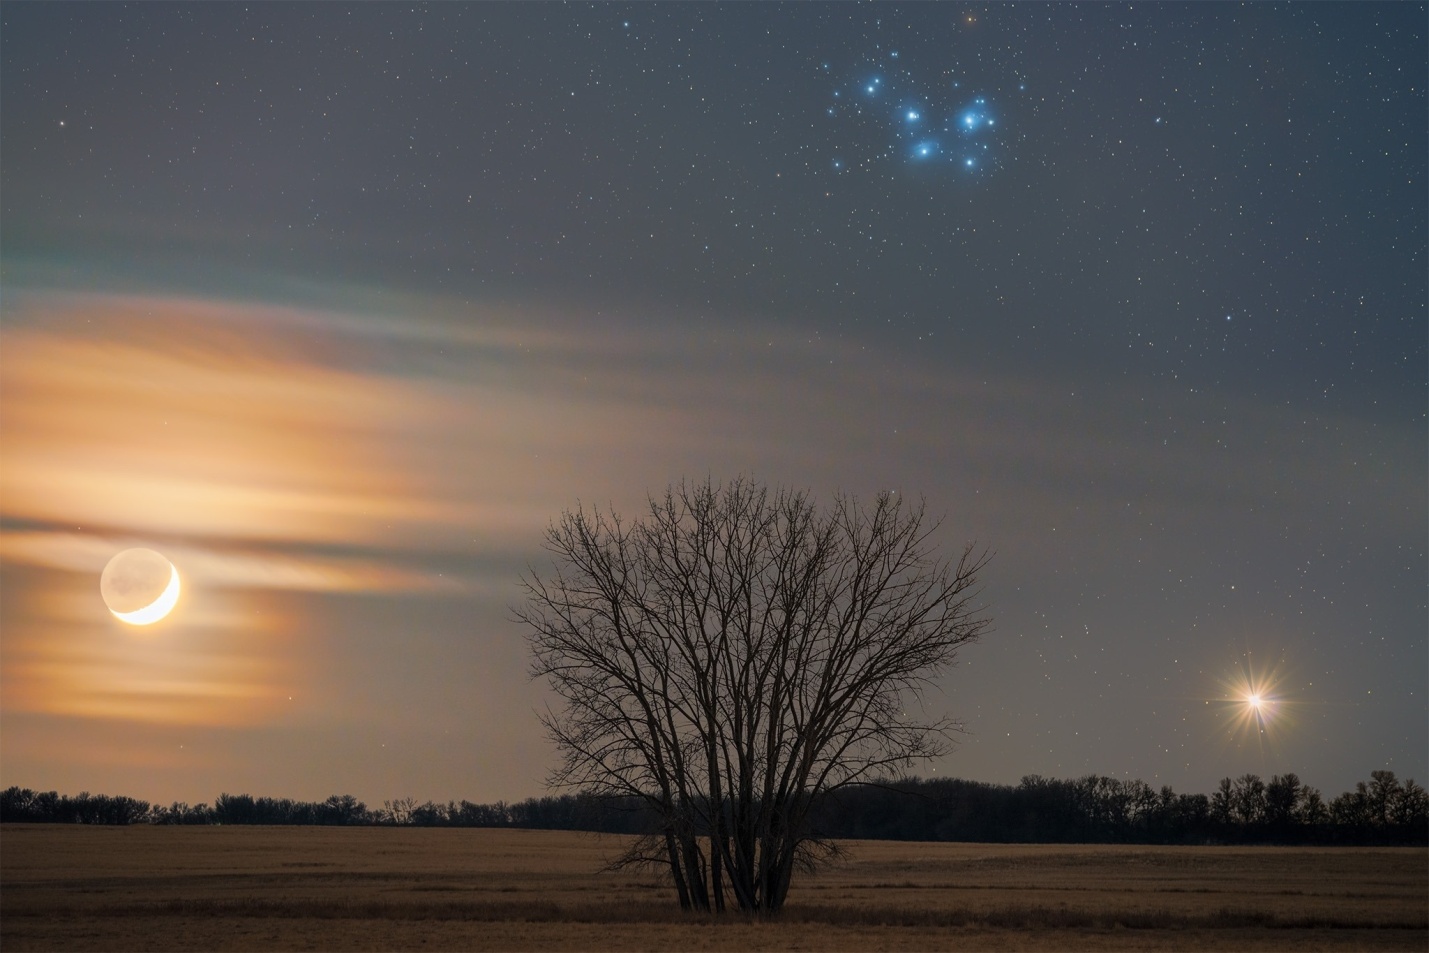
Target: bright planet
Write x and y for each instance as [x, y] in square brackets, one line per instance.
[139, 586]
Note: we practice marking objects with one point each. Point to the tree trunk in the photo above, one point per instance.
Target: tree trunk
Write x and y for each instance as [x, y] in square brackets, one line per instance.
[696, 872]
[681, 889]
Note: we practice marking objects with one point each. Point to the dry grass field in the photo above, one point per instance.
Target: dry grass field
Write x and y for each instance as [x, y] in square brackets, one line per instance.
[275, 888]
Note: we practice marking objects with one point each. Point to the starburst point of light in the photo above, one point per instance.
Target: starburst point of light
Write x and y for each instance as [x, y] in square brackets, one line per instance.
[1255, 710]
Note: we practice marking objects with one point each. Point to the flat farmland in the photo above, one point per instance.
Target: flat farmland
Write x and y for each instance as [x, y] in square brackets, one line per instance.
[307, 888]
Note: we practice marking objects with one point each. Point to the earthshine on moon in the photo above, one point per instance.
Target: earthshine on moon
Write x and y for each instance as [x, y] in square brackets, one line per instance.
[139, 586]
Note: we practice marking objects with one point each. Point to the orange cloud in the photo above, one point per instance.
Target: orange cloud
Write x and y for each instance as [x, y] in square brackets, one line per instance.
[161, 422]
[215, 662]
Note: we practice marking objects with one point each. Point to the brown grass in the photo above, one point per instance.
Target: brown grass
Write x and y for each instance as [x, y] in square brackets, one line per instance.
[245, 888]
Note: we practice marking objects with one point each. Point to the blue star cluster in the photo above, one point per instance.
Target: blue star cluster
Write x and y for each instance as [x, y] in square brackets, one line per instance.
[889, 111]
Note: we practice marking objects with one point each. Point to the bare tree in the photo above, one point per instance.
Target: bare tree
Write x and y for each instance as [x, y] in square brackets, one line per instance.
[1249, 799]
[1384, 790]
[1282, 794]
[398, 812]
[737, 654]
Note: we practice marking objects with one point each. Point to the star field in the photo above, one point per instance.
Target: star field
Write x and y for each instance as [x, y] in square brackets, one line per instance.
[1134, 294]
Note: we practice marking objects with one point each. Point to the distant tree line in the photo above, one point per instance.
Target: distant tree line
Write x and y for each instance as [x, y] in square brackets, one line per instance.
[1092, 809]
[1096, 809]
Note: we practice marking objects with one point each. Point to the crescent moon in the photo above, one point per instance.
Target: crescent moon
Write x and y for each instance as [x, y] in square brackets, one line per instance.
[157, 609]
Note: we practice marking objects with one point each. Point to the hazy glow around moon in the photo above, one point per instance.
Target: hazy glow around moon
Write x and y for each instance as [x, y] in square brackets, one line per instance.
[139, 586]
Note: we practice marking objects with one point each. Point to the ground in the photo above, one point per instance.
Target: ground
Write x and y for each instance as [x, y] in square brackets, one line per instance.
[286, 888]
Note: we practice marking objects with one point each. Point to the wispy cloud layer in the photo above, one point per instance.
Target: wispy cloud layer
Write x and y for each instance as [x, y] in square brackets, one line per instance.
[279, 453]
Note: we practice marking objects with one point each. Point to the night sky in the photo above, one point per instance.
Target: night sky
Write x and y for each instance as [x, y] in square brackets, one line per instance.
[339, 306]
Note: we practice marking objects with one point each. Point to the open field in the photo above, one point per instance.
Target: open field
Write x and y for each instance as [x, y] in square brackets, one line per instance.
[313, 888]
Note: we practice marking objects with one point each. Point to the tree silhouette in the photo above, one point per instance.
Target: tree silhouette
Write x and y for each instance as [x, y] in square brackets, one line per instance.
[1223, 802]
[1249, 799]
[1282, 794]
[1312, 807]
[736, 655]
[1411, 807]
[1384, 791]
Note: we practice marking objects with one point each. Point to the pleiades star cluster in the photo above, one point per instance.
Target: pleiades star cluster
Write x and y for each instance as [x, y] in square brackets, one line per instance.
[890, 112]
